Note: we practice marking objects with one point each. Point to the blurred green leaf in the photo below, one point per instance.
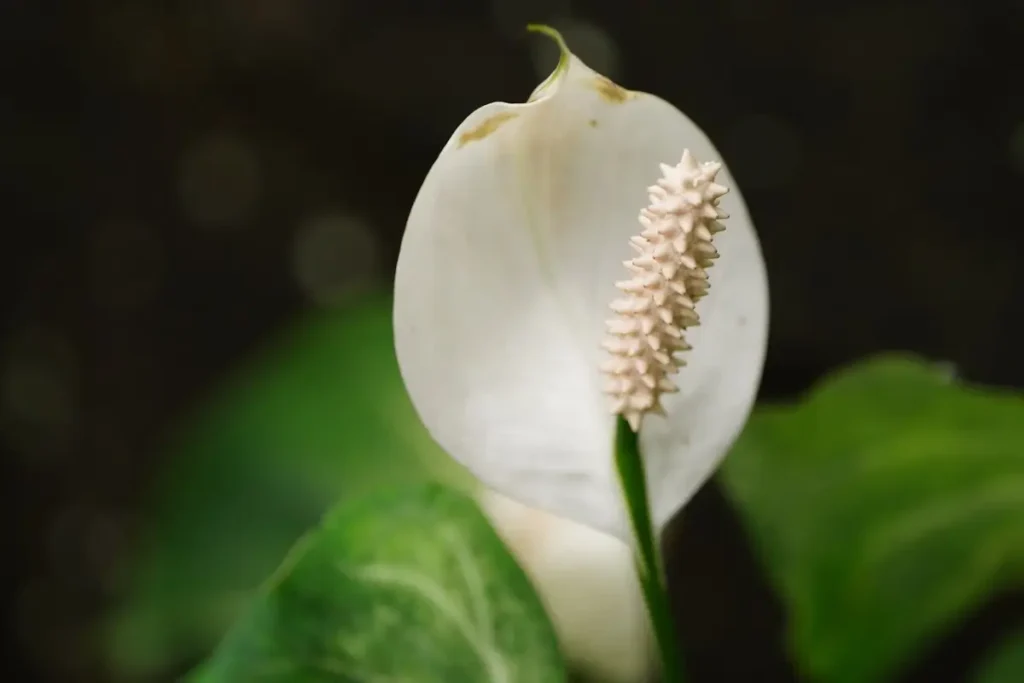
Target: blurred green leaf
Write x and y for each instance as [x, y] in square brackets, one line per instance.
[1006, 663]
[412, 585]
[320, 416]
[886, 505]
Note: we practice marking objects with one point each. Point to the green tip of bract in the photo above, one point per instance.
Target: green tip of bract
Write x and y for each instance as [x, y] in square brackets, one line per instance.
[550, 33]
[563, 49]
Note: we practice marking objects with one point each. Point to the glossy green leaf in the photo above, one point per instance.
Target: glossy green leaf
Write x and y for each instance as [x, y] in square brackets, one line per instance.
[1005, 664]
[885, 506]
[410, 586]
[319, 416]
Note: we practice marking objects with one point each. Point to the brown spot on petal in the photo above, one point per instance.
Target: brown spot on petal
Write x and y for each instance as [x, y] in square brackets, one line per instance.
[593, 123]
[613, 93]
[488, 126]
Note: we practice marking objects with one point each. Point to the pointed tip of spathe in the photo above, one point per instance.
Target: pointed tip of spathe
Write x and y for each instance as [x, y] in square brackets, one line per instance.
[563, 56]
[551, 33]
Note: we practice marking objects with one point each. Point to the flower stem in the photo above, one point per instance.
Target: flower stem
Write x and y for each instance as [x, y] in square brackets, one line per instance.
[630, 467]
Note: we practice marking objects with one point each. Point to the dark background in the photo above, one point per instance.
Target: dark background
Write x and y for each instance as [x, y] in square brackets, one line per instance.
[181, 179]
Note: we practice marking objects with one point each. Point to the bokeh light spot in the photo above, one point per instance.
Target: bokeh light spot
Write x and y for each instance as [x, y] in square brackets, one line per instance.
[85, 547]
[126, 264]
[38, 401]
[219, 181]
[335, 255]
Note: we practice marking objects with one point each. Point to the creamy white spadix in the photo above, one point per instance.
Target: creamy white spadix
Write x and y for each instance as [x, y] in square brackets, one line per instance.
[525, 322]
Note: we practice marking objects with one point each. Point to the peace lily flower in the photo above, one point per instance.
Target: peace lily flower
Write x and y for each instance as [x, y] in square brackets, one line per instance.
[522, 331]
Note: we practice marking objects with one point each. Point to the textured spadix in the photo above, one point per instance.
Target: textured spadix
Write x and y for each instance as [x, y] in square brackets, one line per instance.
[510, 259]
[669, 277]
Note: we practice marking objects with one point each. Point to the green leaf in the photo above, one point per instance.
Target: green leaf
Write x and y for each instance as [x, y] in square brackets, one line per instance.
[885, 506]
[409, 586]
[319, 416]
[1006, 663]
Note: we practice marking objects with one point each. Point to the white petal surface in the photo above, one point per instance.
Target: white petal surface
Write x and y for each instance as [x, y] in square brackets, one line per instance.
[588, 583]
[504, 277]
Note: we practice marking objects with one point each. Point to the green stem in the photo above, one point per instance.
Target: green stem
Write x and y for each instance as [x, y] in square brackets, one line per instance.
[630, 467]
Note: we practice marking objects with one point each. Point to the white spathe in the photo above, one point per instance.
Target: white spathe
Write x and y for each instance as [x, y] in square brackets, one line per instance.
[504, 279]
[588, 584]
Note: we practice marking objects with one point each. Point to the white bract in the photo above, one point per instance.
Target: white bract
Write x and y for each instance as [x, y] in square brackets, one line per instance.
[588, 584]
[521, 329]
